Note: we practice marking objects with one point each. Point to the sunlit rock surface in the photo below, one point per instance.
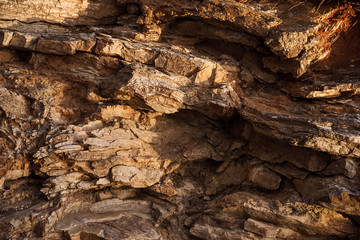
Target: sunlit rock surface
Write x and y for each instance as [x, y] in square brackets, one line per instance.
[196, 119]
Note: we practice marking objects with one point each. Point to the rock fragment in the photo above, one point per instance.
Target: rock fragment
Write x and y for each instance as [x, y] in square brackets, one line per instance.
[263, 177]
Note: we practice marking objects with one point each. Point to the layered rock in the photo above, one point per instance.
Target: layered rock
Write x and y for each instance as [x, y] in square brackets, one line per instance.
[137, 119]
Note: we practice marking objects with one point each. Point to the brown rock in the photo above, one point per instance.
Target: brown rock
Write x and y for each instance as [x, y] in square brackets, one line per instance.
[278, 152]
[135, 177]
[346, 166]
[7, 55]
[269, 230]
[300, 217]
[5, 37]
[204, 30]
[234, 174]
[323, 86]
[261, 228]
[55, 47]
[315, 188]
[288, 170]
[263, 177]
[23, 41]
[289, 42]
[14, 105]
[68, 11]
[95, 220]
[206, 231]
[251, 62]
[345, 203]
[143, 119]
[258, 22]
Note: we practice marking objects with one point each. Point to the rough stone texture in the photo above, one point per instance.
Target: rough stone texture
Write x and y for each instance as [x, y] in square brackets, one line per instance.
[263, 177]
[346, 166]
[149, 119]
[317, 187]
[269, 230]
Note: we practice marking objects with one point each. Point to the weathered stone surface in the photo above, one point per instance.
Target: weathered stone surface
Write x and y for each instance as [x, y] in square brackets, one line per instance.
[244, 16]
[233, 174]
[127, 175]
[209, 232]
[261, 228]
[314, 188]
[290, 42]
[263, 177]
[269, 230]
[344, 202]
[64, 12]
[149, 119]
[341, 81]
[346, 166]
[288, 170]
[278, 152]
[312, 219]
[105, 219]
[7, 55]
[13, 104]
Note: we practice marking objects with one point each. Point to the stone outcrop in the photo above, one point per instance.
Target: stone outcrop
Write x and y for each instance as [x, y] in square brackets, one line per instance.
[192, 119]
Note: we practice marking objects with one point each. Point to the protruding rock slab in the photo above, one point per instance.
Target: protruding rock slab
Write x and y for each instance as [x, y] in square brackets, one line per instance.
[346, 166]
[269, 230]
[314, 188]
[313, 220]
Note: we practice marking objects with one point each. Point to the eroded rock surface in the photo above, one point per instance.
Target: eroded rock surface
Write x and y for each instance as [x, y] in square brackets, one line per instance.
[149, 119]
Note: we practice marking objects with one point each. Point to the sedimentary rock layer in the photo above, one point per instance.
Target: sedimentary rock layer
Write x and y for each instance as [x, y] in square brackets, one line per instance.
[139, 119]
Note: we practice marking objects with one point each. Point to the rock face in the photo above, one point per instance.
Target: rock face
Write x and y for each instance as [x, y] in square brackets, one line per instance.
[149, 119]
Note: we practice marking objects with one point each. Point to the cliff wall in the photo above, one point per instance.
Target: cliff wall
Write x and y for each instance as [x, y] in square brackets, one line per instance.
[191, 119]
